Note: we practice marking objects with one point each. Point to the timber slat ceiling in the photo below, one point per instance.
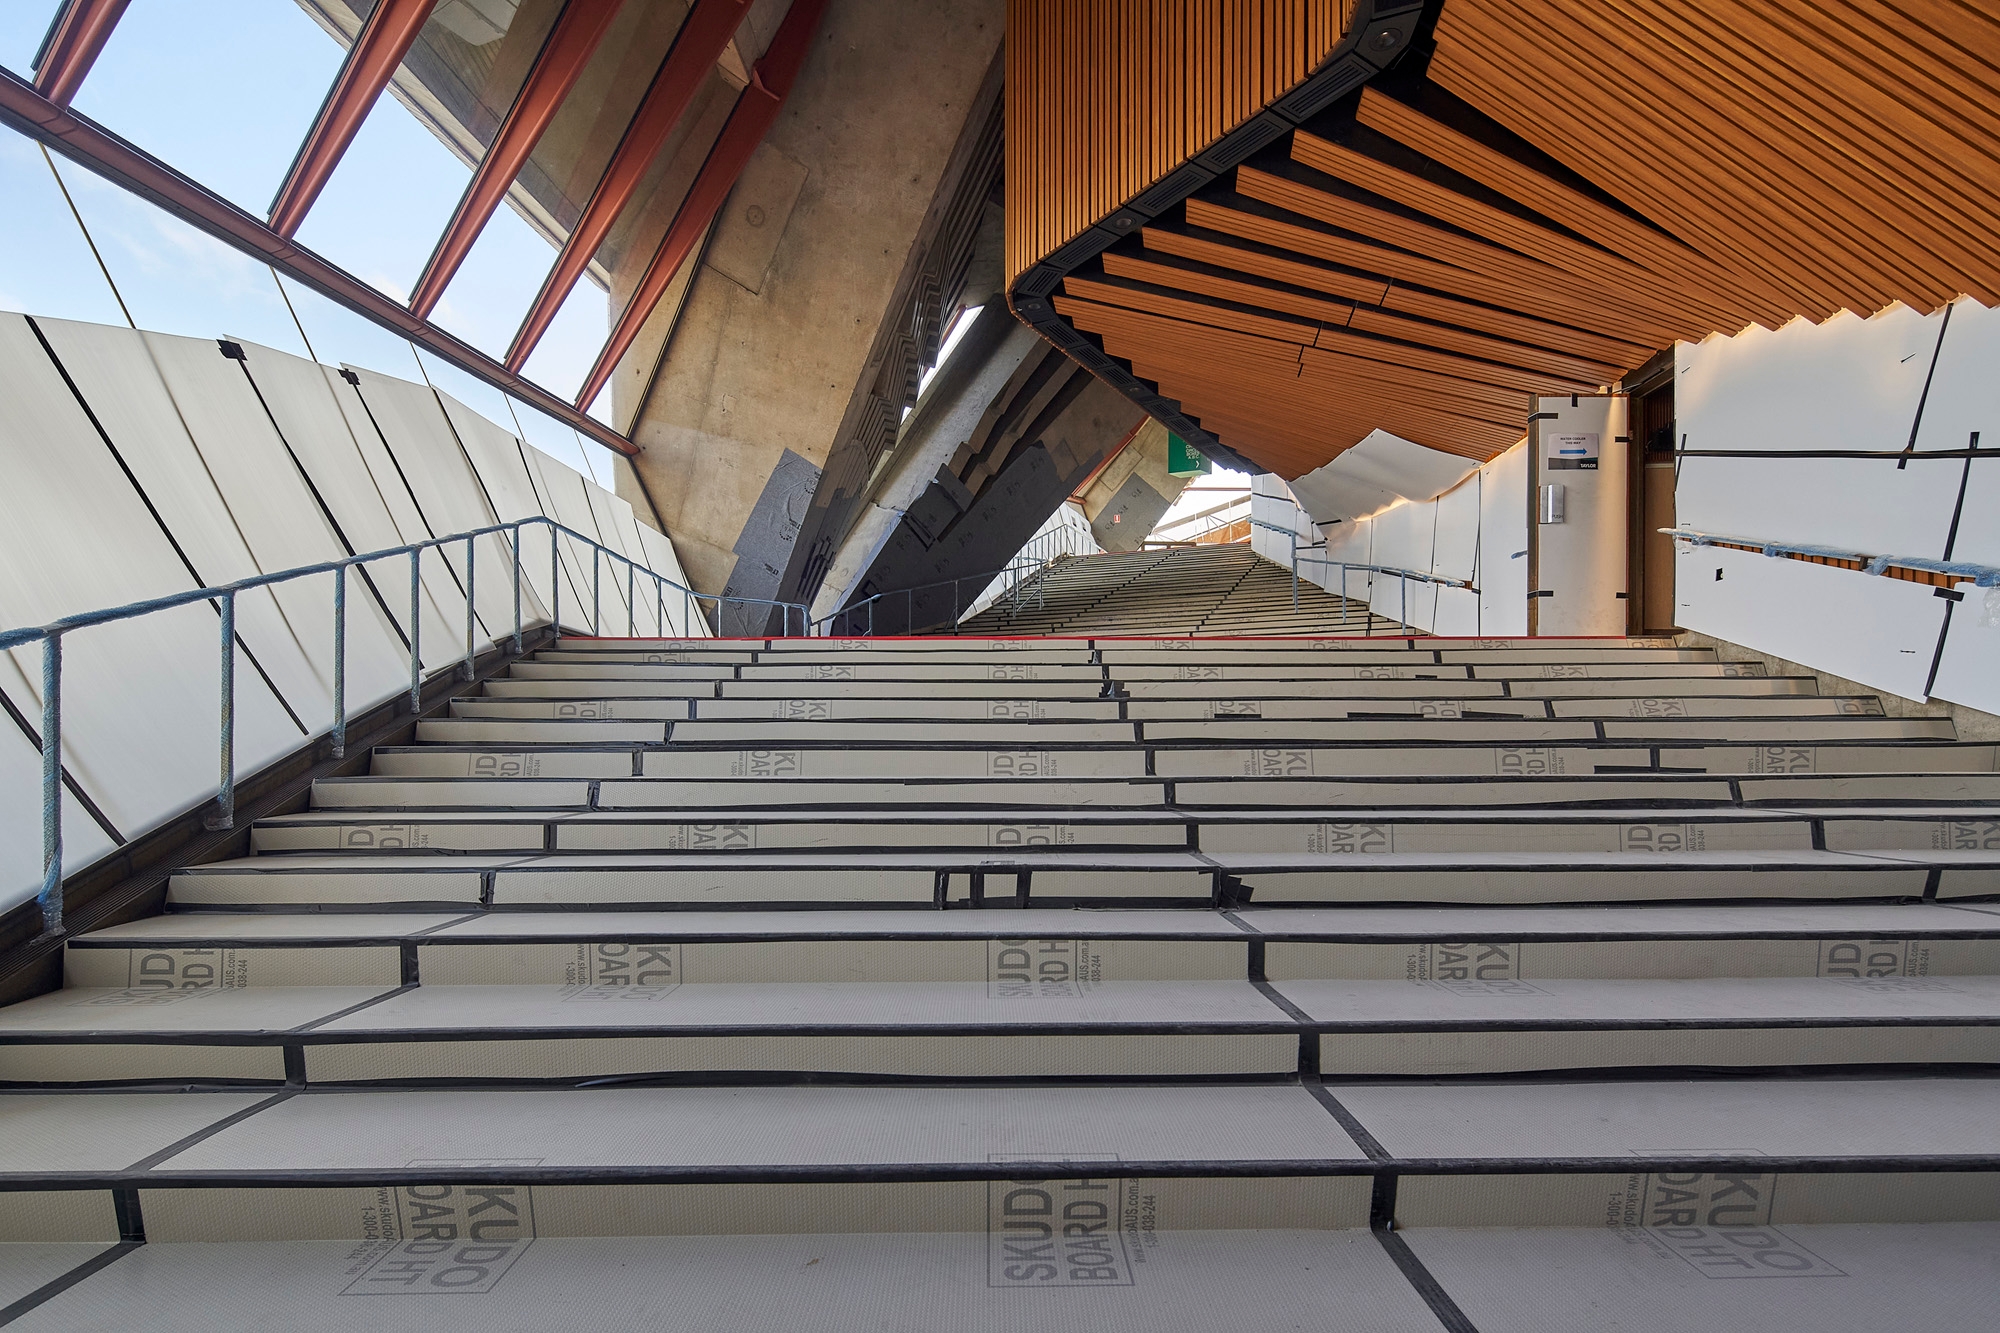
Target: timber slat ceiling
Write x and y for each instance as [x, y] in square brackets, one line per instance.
[1105, 97]
[1543, 199]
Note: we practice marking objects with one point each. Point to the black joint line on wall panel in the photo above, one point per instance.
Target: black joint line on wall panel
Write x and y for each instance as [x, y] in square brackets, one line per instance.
[33, 735]
[1944, 633]
[1917, 422]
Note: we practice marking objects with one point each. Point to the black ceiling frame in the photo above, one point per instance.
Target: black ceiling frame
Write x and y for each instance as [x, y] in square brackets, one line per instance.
[1383, 31]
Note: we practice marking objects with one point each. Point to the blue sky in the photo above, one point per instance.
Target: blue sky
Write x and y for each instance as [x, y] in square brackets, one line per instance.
[224, 90]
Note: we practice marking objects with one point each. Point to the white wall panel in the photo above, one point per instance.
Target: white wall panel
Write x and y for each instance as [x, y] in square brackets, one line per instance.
[130, 388]
[141, 696]
[565, 493]
[1503, 544]
[1879, 631]
[311, 406]
[421, 442]
[1457, 542]
[1457, 613]
[510, 493]
[1969, 670]
[1965, 397]
[21, 803]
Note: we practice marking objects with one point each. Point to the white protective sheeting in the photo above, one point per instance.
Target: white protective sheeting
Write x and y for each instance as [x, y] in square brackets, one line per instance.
[1472, 531]
[1375, 474]
[1882, 383]
[510, 493]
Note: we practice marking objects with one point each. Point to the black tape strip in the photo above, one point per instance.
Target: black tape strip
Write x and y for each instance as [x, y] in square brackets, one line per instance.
[1944, 327]
[152, 1160]
[352, 1009]
[131, 1221]
[1442, 1305]
[1357, 1131]
[55, 1287]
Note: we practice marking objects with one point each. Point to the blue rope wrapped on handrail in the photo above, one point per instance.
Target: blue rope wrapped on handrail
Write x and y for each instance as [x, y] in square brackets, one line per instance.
[1983, 576]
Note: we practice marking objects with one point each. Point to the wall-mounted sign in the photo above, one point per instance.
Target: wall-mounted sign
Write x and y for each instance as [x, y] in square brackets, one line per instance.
[1184, 460]
[1570, 452]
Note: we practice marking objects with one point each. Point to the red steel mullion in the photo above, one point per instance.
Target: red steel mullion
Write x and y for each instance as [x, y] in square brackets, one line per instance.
[80, 35]
[561, 63]
[756, 109]
[698, 46]
[372, 61]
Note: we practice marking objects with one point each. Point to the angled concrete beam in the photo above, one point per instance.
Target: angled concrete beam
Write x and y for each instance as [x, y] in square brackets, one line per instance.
[80, 33]
[567, 51]
[371, 62]
[702, 37]
[756, 107]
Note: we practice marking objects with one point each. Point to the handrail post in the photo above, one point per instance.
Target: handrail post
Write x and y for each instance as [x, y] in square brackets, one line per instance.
[1404, 579]
[517, 590]
[339, 748]
[51, 895]
[465, 671]
[596, 591]
[416, 656]
[631, 600]
[555, 585]
[225, 798]
[1295, 572]
[687, 620]
[660, 605]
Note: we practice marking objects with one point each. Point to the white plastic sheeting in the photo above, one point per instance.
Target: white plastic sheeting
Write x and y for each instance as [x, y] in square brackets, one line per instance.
[1381, 471]
[141, 465]
[1856, 384]
[1466, 532]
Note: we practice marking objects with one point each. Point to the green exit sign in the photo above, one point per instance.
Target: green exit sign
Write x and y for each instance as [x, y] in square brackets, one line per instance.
[1183, 460]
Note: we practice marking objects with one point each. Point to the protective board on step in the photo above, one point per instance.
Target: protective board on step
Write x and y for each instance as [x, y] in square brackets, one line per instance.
[1801, 1279]
[1539, 788]
[1026, 731]
[1751, 1118]
[1422, 729]
[1227, 712]
[728, 831]
[1012, 966]
[664, 794]
[570, 710]
[1937, 757]
[1764, 920]
[1684, 687]
[1007, 670]
[1661, 1196]
[200, 966]
[1604, 836]
[765, 884]
[353, 881]
[439, 761]
[901, 710]
[497, 791]
[1468, 760]
[896, 689]
[757, 1128]
[853, 762]
[1537, 879]
[32, 1262]
[1164, 1282]
[1499, 959]
[54, 1133]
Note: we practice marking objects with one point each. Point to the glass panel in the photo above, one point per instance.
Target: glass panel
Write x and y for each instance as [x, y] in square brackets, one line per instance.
[341, 337]
[381, 213]
[23, 24]
[175, 279]
[570, 347]
[45, 266]
[496, 284]
[222, 90]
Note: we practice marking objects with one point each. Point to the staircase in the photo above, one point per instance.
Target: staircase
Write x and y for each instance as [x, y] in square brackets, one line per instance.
[1183, 590]
[949, 984]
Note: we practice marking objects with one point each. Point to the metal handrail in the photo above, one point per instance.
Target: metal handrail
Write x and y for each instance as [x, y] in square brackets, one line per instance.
[1403, 575]
[223, 597]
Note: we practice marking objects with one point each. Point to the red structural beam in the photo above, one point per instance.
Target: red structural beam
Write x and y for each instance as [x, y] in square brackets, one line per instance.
[79, 36]
[371, 62]
[568, 49]
[756, 109]
[84, 141]
[696, 49]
